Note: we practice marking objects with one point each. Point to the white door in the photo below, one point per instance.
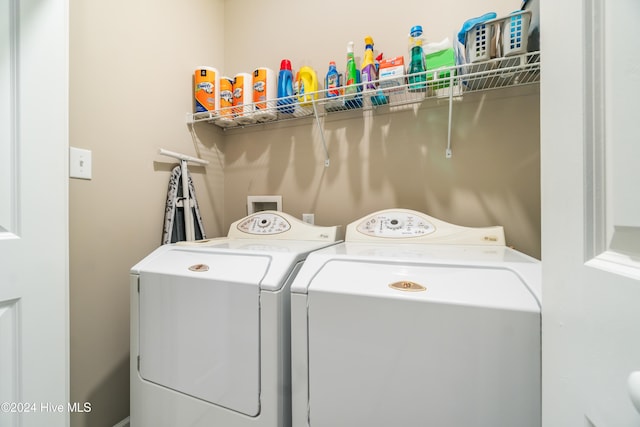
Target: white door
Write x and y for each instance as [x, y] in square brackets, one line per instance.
[34, 339]
[591, 211]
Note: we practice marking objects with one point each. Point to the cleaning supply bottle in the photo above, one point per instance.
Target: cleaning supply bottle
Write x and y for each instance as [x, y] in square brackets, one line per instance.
[440, 59]
[370, 73]
[332, 81]
[417, 67]
[285, 88]
[352, 77]
[368, 68]
[378, 59]
[307, 83]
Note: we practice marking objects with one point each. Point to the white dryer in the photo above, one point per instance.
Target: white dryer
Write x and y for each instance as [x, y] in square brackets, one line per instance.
[210, 326]
[416, 322]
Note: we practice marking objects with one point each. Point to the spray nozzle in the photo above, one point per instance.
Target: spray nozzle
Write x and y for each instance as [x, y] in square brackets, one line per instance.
[416, 31]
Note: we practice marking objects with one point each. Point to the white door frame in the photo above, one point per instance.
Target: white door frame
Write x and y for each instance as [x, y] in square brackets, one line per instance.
[590, 144]
[34, 273]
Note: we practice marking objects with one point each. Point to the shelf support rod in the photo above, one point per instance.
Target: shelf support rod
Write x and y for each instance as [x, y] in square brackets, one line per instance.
[448, 152]
[324, 142]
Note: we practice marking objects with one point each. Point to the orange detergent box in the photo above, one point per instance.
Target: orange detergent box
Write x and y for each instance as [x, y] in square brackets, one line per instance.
[391, 73]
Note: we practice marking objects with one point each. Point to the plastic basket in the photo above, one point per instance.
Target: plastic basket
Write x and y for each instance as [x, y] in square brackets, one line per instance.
[504, 36]
[514, 32]
[480, 42]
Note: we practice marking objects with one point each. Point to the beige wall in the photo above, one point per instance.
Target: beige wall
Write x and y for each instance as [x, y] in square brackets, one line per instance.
[398, 160]
[383, 160]
[130, 69]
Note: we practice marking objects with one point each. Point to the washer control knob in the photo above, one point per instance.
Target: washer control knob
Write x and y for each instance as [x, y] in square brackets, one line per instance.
[264, 222]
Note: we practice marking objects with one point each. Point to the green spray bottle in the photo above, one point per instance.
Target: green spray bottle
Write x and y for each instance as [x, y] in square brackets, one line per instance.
[352, 80]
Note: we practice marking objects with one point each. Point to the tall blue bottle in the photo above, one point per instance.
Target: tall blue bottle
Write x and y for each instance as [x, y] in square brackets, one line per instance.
[417, 67]
[286, 97]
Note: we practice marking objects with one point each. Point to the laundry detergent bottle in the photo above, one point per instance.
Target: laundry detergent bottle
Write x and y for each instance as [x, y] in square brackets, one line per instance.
[307, 83]
[417, 67]
[285, 88]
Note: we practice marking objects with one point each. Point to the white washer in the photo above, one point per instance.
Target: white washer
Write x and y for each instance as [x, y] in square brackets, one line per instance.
[210, 326]
[416, 322]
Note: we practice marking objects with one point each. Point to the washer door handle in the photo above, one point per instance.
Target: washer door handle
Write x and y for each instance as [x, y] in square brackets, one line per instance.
[634, 389]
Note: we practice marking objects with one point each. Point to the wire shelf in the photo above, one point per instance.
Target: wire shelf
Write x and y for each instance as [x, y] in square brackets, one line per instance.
[442, 83]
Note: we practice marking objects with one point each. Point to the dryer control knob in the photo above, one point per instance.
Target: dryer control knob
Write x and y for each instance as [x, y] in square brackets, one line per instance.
[394, 224]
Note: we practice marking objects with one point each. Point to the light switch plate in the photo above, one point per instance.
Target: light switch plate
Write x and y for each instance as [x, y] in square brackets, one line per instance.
[79, 163]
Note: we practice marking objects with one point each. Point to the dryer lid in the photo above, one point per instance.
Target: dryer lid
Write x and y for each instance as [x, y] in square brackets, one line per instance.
[185, 262]
[199, 326]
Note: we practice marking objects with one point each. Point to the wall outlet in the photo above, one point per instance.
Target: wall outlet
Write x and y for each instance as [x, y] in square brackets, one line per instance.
[79, 163]
[309, 218]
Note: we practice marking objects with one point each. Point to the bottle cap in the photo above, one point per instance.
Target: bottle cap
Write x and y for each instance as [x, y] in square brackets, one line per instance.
[285, 64]
[416, 31]
[332, 63]
[368, 40]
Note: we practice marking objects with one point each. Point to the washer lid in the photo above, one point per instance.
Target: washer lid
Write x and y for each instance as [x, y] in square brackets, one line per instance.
[482, 286]
[463, 352]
